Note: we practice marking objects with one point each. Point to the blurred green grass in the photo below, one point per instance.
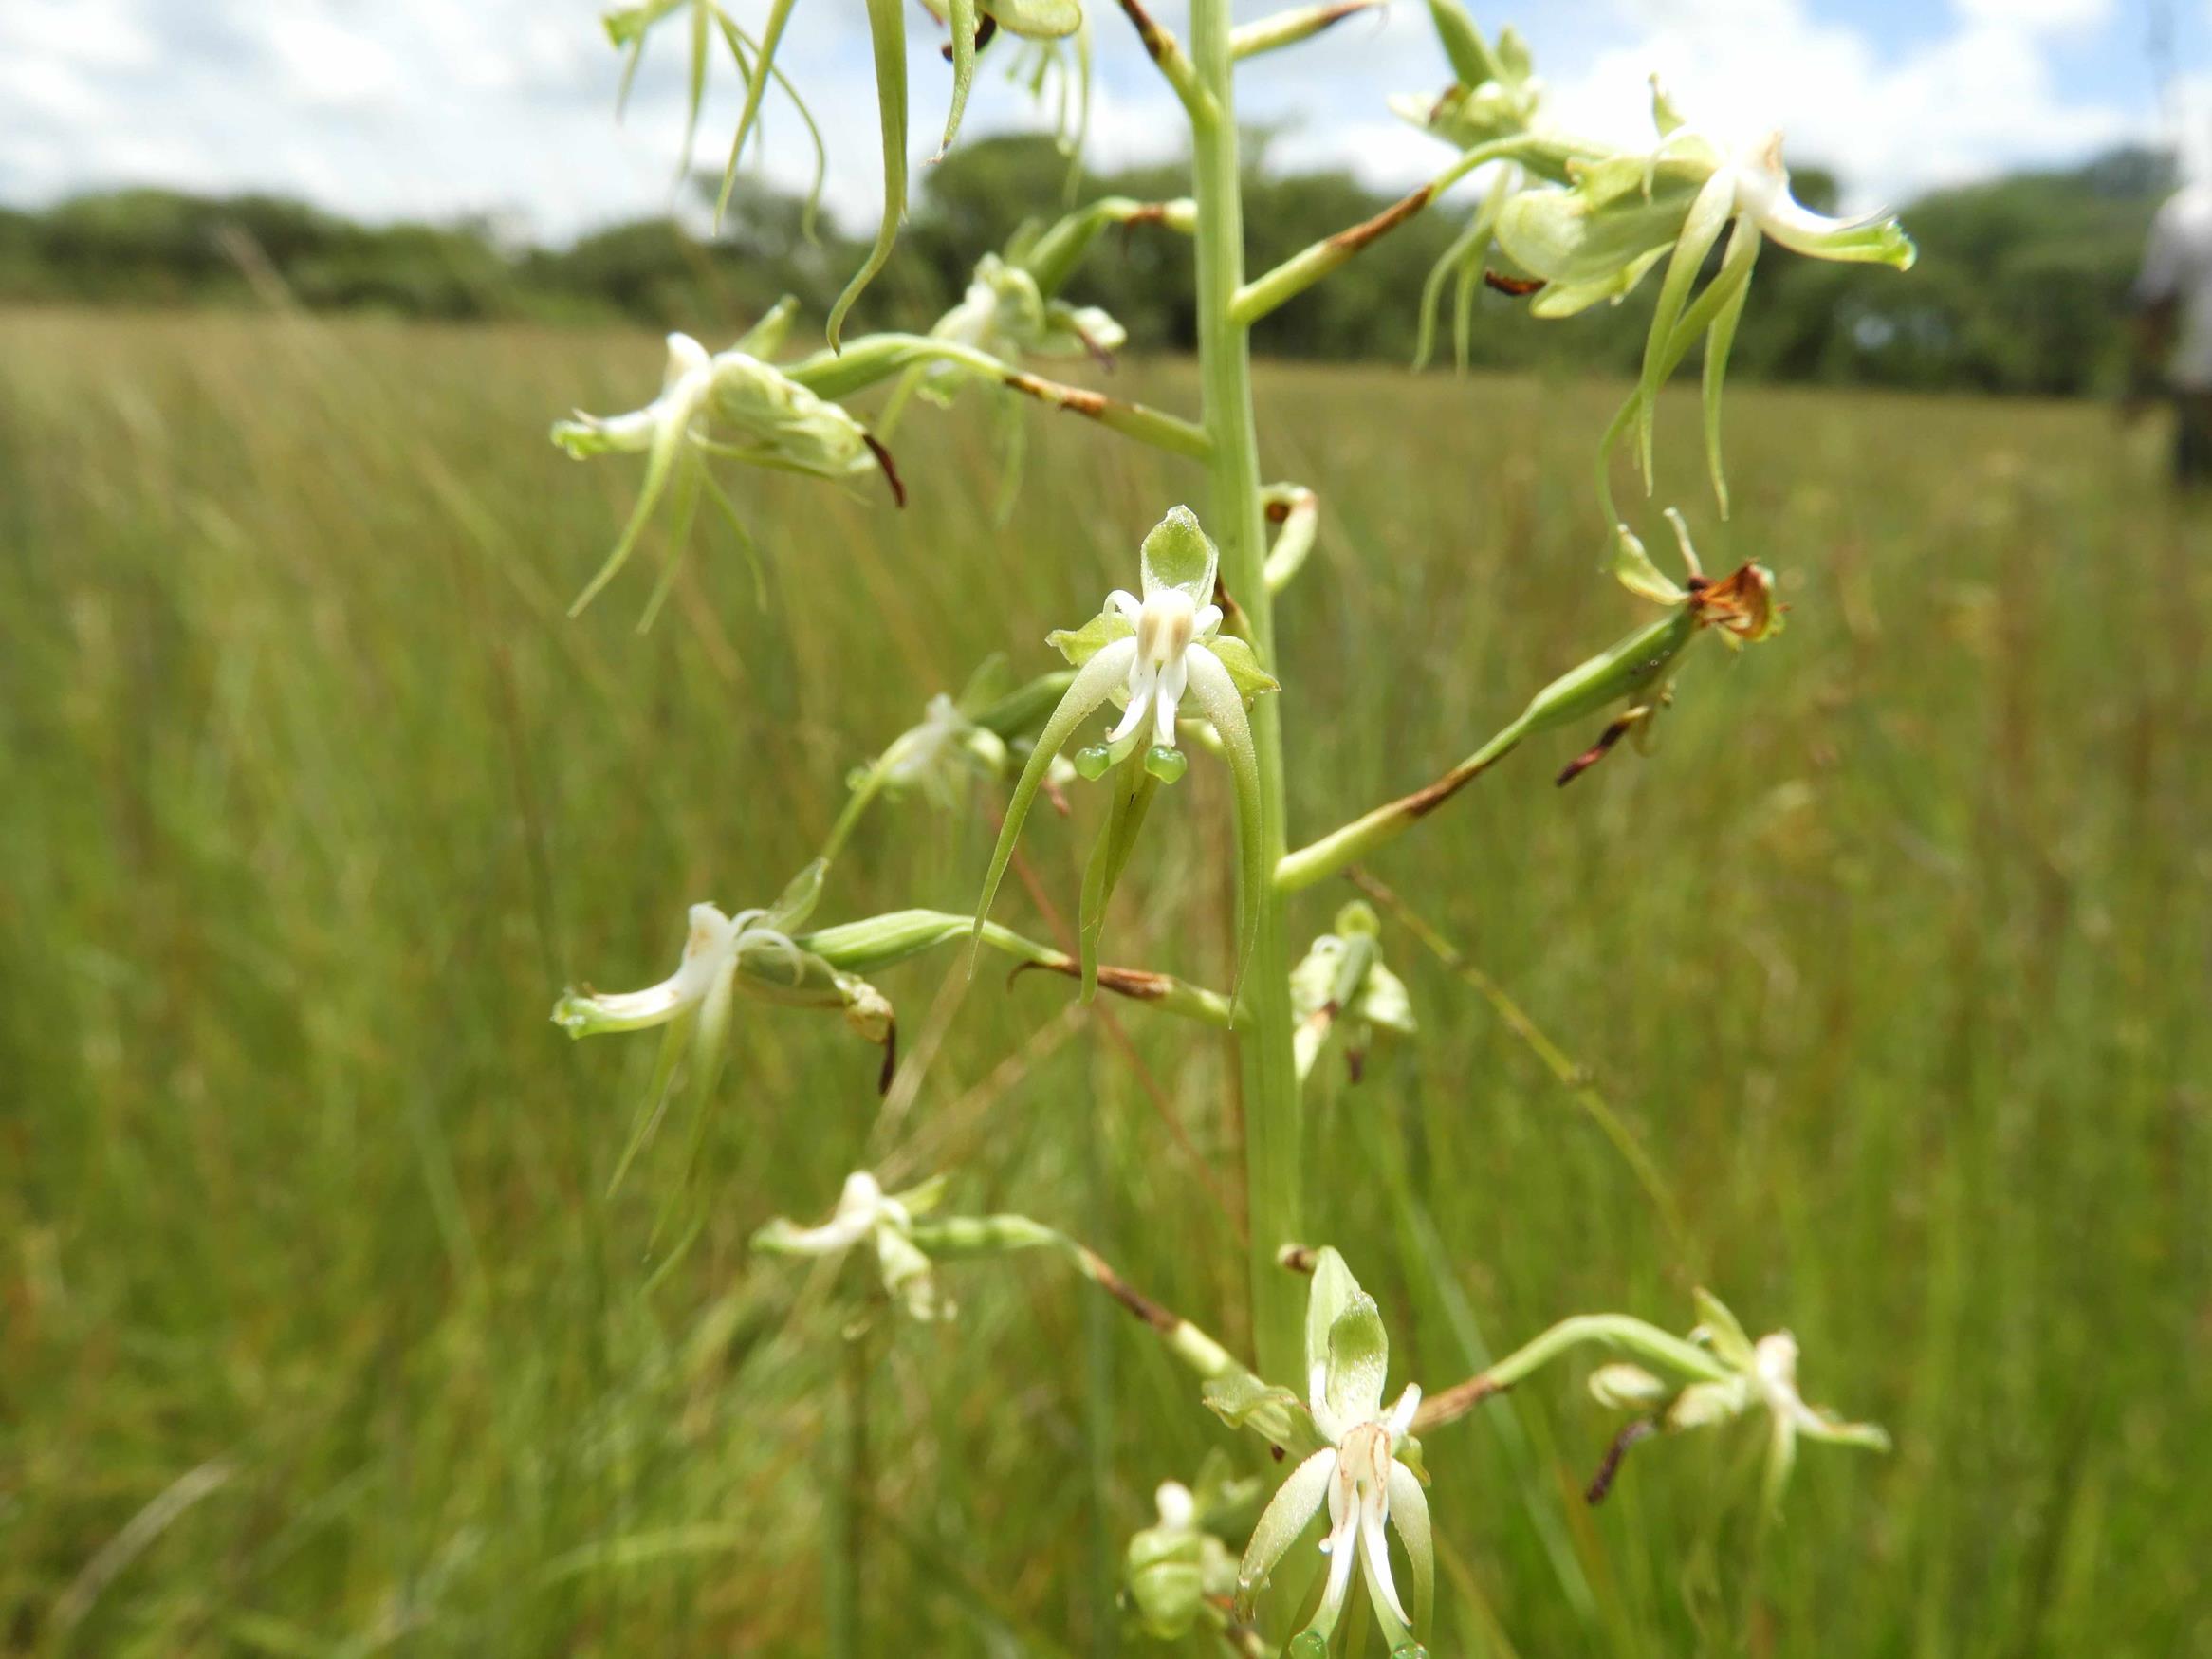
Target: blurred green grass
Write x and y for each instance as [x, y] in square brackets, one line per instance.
[1896, 956]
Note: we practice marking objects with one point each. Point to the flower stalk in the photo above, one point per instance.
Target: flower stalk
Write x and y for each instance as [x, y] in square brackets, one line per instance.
[1267, 1070]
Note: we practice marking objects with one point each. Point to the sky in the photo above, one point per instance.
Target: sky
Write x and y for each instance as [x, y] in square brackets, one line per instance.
[432, 109]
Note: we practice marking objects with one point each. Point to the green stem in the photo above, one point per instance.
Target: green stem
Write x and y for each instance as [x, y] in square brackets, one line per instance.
[836, 375]
[1274, 1197]
[1647, 1342]
[953, 1237]
[1303, 269]
[845, 1570]
[864, 947]
[1341, 848]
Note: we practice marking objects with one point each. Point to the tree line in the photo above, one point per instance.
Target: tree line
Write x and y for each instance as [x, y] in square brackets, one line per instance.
[2022, 287]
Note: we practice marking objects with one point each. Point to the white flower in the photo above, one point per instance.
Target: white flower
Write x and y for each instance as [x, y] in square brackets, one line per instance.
[1761, 183]
[1361, 1474]
[704, 977]
[1758, 1375]
[1170, 638]
[752, 952]
[1150, 651]
[1004, 315]
[931, 757]
[865, 1212]
[733, 406]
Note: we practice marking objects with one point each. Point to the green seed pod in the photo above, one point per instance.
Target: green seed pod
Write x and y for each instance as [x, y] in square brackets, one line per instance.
[1629, 667]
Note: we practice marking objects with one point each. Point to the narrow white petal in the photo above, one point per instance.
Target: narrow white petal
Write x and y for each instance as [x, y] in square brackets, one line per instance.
[1401, 1417]
[1173, 678]
[1375, 1549]
[1343, 1546]
[1133, 717]
[1207, 623]
[1127, 603]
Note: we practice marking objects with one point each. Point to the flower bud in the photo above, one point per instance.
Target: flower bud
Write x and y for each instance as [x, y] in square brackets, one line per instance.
[1622, 1386]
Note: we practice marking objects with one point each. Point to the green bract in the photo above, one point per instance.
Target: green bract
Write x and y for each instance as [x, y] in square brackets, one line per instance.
[1366, 1473]
[1147, 653]
[732, 406]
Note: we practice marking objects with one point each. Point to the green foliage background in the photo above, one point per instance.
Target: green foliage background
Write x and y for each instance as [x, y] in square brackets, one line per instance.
[1895, 956]
[2022, 287]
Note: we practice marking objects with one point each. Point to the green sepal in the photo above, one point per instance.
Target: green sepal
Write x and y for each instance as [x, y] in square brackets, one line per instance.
[1332, 1292]
[1720, 340]
[1464, 47]
[961, 15]
[1708, 215]
[1242, 662]
[1594, 240]
[653, 1105]
[1217, 695]
[1276, 1414]
[887, 37]
[1178, 554]
[756, 89]
[1134, 791]
[1513, 55]
[1090, 687]
[765, 338]
[1358, 1365]
[1730, 1343]
[797, 899]
[1078, 645]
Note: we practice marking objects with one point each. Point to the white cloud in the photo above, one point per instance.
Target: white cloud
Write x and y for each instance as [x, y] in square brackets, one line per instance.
[428, 108]
[2054, 15]
[1977, 99]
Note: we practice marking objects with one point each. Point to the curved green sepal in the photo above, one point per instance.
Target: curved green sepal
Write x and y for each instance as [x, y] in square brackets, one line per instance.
[1090, 688]
[1243, 665]
[1178, 554]
[1078, 645]
[1133, 799]
[887, 35]
[1217, 695]
[1276, 1414]
[1409, 1515]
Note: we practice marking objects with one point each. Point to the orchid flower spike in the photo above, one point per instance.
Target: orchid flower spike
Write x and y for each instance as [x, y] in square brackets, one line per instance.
[732, 406]
[1365, 1472]
[1148, 652]
[866, 1214]
[1761, 1376]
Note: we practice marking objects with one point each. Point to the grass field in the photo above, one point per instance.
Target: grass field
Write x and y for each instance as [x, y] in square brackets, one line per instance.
[318, 1336]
